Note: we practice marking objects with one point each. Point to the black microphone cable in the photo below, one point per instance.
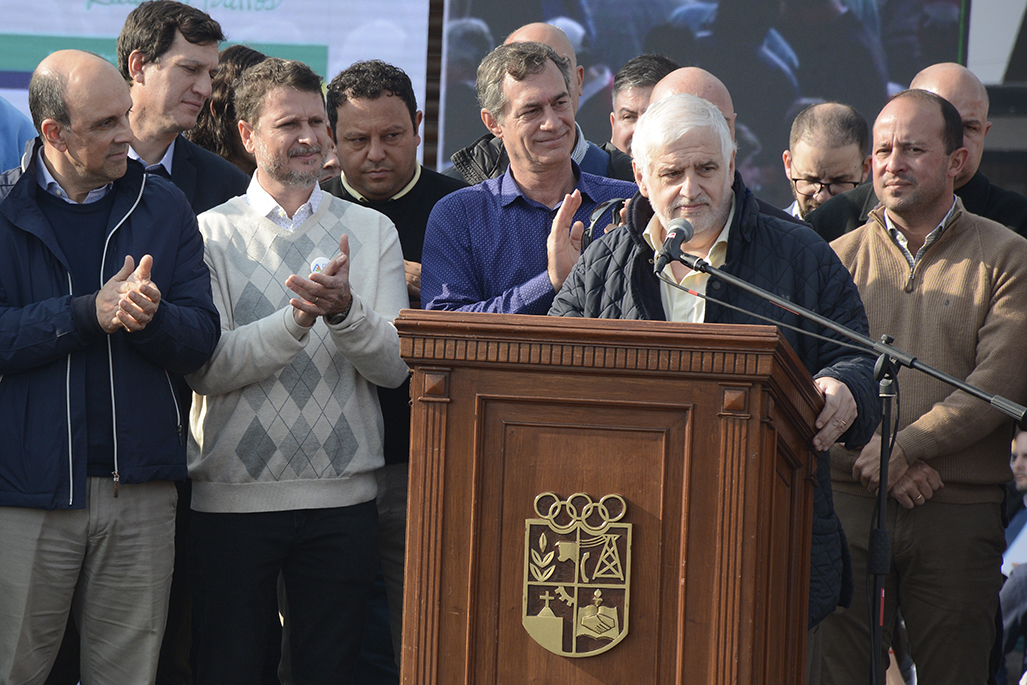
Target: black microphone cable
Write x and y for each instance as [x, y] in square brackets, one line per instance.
[769, 320]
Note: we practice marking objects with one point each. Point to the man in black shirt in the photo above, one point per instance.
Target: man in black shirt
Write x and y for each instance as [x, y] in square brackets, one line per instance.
[374, 118]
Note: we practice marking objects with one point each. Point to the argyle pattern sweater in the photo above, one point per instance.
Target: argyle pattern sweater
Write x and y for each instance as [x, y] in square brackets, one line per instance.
[286, 417]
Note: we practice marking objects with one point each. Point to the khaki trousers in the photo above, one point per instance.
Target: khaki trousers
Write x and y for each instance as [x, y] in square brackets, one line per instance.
[109, 565]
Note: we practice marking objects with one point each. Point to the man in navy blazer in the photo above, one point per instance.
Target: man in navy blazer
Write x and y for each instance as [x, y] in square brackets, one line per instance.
[168, 52]
[206, 179]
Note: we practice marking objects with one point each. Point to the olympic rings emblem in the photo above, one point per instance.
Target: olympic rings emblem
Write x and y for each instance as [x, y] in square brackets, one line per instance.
[579, 508]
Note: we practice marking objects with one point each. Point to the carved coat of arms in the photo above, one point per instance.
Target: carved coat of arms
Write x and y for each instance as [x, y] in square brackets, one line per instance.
[577, 564]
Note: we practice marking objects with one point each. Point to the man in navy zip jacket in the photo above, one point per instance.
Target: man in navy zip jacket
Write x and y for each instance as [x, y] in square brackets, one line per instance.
[104, 302]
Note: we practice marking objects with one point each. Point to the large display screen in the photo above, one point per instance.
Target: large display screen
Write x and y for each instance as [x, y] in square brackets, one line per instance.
[774, 57]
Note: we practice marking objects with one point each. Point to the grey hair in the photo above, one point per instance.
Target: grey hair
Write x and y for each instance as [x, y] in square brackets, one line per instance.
[672, 118]
[46, 98]
[517, 60]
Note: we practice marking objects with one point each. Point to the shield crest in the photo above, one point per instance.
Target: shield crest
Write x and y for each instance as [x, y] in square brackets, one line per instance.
[577, 566]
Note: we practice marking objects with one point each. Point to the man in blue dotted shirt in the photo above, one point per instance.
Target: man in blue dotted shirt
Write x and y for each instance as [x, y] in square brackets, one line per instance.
[507, 244]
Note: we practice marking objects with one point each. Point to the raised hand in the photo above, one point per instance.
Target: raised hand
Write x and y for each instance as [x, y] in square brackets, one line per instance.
[564, 244]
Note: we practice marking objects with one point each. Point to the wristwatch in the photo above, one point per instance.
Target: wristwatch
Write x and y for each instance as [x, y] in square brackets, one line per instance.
[336, 319]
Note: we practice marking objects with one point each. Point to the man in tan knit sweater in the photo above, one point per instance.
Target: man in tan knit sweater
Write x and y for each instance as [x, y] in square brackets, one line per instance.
[950, 287]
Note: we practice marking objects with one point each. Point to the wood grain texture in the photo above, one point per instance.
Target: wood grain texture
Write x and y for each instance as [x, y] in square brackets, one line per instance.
[422, 582]
[702, 429]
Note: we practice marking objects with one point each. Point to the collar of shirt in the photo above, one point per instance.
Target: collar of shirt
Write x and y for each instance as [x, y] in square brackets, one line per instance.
[406, 189]
[165, 161]
[266, 205]
[903, 244]
[509, 191]
[677, 304]
[793, 209]
[580, 145]
[48, 183]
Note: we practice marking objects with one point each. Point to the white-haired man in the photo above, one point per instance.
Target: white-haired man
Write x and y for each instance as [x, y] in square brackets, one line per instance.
[684, 166]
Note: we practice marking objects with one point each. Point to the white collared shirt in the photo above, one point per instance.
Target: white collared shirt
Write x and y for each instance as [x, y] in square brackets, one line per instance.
[48, 183]
[266, 205]
[165, 161]
[677, 304]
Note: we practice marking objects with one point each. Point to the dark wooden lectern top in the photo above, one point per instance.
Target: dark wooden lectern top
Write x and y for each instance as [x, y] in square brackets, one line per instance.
[703, 432]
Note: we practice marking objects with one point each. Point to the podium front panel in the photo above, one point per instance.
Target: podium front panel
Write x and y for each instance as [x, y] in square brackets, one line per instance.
[709, 462]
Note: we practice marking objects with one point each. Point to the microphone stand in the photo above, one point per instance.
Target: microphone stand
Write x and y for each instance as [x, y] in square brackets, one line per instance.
[879, 546]
[890, 360]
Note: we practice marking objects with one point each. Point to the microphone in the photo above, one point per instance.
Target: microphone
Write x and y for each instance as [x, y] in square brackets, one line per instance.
[679, 232]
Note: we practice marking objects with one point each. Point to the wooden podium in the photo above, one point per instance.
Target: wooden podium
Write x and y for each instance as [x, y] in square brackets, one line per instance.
[683, 555]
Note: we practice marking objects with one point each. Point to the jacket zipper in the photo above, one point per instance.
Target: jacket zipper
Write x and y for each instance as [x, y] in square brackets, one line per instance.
[110, 354]
[67, 405]
[114, 416]
[178, 412]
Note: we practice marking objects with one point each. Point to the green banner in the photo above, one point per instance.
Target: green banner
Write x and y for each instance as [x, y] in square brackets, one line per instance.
[20, 52]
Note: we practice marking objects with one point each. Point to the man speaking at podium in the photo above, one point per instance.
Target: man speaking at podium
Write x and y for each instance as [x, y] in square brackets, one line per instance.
[684, 166]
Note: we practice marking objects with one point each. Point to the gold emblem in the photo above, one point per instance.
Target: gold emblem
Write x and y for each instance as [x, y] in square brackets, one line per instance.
[577, 567]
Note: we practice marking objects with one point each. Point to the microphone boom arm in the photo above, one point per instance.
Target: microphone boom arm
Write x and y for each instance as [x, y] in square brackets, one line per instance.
[1016, 411]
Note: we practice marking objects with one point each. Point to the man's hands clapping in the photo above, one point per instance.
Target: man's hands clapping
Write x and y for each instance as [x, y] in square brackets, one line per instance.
[129, 299]
[325, 293]
[564, 244]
